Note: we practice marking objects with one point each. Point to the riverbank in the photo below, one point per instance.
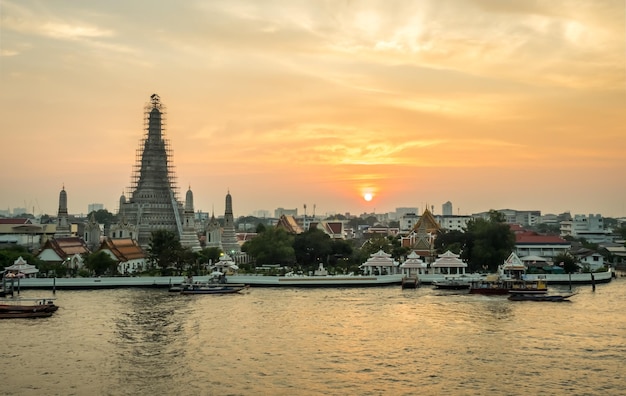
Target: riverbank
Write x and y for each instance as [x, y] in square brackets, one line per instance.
[275, 281]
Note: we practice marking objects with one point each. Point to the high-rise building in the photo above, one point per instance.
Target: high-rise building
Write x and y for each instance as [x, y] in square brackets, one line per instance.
[153, 201]
[94, 207]
[446, 209]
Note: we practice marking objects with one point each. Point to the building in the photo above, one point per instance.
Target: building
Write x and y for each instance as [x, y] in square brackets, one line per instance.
[408, 220]
[511, 216]
[153, 201]
[24, 232]
[446, 209]
[94, 207]
[590, 228]
[529, 243]
[130, 257]
[422, 237]
[278, 212]
[453, 223]
[71, 251]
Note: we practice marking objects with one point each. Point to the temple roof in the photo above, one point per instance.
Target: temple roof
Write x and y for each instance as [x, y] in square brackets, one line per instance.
[125, 249]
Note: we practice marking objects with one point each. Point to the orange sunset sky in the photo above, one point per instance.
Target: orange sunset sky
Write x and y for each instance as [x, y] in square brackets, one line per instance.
[489, 104]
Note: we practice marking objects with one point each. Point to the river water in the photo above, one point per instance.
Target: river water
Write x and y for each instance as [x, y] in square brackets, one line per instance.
[344, 341]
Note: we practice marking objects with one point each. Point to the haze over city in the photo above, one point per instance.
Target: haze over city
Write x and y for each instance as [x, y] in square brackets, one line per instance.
[484, 103]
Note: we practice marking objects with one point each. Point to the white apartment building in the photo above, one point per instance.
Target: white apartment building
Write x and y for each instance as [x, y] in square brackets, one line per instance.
[450, 223]
[591, 228]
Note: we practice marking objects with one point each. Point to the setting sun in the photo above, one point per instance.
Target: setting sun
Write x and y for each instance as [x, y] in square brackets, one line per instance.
[368, 196]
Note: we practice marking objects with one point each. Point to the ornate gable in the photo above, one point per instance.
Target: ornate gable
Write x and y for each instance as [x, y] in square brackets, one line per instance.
[424, 233]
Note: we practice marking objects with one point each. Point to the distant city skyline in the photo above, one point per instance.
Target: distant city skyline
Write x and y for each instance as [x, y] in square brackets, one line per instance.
[353, 107]
[300, 211]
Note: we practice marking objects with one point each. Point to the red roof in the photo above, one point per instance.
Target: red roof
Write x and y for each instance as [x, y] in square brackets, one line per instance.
[516, 228]
[15, 221]
[124, 249]
[534, 238]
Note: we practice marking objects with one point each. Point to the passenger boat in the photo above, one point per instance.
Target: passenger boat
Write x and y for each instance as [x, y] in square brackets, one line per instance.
[212, 289]
[27, 308]
[502, 286]
[451, 283]
[212, 283]
[511, 276]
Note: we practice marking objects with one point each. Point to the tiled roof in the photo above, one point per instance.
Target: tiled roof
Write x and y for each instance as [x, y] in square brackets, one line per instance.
[65, 247]
[534, 238]
[15, 221]
[290, 224]
[125, 249]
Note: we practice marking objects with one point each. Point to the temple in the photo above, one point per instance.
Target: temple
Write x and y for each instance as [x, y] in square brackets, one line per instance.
[153, 200]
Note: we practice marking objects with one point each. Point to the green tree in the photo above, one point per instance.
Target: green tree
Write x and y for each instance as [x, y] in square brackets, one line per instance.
[273, 246]
[341, 256]
[103, 216]
[11, 253]
[101, 263]
[164, 250]
[210, 254]
[567, 261]
[186, 259]
[488, 242]
[312, 247]
[452, 240]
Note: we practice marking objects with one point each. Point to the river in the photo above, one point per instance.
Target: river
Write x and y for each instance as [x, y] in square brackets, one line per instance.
[343, 341]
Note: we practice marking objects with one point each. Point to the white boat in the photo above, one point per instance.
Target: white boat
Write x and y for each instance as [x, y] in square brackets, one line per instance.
[452, 283]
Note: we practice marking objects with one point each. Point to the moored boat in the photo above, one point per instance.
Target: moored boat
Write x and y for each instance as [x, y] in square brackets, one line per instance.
[499, 286]
[25, 315]
[540, 297]
[511, 276]
[451, 283]
[212, 289]
[28, 308]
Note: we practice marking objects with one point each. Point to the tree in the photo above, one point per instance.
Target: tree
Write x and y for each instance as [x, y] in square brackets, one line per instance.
[101, 263]
[312, 247]
[164, 250]
[210, 254]
[488, 242]
[567, 261]
[103, 216]
[452, 240]
[273, 246]
[9, 254]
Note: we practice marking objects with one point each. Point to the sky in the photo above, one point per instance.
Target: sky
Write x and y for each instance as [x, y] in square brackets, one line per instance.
[488, 104]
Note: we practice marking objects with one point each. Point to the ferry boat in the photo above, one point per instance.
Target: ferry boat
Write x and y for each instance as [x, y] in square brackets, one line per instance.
[511, 276]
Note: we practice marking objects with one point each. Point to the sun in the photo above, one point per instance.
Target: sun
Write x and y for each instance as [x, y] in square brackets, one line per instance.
[368, 196]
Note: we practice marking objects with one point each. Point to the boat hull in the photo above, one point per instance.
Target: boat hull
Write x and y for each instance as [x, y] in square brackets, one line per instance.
[544, 298]
[25, 315]
[213, 290]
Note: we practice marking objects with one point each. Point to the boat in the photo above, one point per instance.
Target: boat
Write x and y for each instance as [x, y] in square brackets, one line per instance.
[451, 283]
[540, 297]
[213, 282]
[511, 276]
[499, 286]
[34, 308]
[410, 282]
[25, 315]
[212, 289]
